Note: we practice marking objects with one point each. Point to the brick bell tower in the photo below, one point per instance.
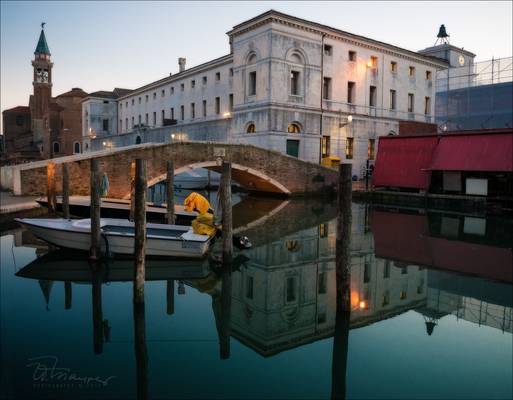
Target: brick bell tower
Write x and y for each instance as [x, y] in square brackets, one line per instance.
[40, 105]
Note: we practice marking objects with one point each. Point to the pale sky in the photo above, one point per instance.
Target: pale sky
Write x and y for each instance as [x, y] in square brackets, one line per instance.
[101, 45]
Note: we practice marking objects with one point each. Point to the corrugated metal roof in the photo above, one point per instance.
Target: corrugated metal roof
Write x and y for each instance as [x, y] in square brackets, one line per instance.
[403, 162]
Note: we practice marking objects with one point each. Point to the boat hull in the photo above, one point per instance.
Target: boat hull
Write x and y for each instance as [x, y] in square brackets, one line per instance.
[63, 234]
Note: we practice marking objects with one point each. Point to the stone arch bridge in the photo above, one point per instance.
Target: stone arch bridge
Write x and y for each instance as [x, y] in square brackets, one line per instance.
[254, 168]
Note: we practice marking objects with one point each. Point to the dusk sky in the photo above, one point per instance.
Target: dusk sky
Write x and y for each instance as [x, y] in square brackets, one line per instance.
[102, 45]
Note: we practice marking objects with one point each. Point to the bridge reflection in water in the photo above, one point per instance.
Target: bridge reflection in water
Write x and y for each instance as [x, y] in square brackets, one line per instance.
[283, 295]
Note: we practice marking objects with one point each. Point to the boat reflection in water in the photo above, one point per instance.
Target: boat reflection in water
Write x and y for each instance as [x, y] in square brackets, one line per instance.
[282, 294]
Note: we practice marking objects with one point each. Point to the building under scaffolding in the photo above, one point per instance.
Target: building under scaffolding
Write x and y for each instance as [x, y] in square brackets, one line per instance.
[475, 96]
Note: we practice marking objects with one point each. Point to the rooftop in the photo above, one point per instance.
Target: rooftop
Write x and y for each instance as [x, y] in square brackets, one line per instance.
[42, 46]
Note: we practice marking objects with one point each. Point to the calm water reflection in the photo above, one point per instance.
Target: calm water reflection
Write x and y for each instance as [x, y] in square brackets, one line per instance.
[431, 313]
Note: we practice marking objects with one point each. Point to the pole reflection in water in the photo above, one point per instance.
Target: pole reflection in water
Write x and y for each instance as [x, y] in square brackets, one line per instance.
[221, 306]
[141, 351]
[343, 283]
[97, 279]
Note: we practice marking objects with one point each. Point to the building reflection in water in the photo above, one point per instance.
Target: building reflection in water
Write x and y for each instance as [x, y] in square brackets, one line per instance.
[284, 295]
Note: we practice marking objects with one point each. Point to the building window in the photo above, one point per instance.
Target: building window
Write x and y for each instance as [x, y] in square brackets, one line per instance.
[132, 122]
[350, 92]
[328, 50]
[162, 93]
[172, 90]
[291, 289]
[427, 105]
[126, 104]
[402, 295]
[76, 147]
[140, 120]
[410, 102]
[120, 106]
[193, 110]
[411, 71]
[386, 299]
[428, 75]
[126, 124]
[230, 101]
[294, 83]
[386, 270]
[393, 67]
[323, 280]
[251, 128]
[352, 55]
[249, 287]
[163, 116]
[370, 149]
[204, 108]
[326, 89]
[139, 100]
[147, 98]
[372, 96]
[154, 118]
[193, 84]
[204, 80]
[349, 147]
[325, 146]
[231, 71]
[133, 101]
[392, 99]
[56, 147]
[374, 62]
[294, 128]
[252, 84]
[138, 140]
[120, 125]
[172, 113]
[366, 273]
[218, 105]
[323, 230]
[146, 119]
[218, 76]
[105, 102]
[105, 125]
[182, 87]
[154, 95]
[182, 113]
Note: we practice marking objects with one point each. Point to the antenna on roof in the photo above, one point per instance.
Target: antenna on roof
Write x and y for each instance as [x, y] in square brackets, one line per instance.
[442, 36]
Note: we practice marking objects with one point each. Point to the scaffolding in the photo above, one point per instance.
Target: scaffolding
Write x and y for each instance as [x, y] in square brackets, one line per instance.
[476, 96]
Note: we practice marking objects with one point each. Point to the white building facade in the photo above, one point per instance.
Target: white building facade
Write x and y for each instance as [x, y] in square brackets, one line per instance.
[268, 92]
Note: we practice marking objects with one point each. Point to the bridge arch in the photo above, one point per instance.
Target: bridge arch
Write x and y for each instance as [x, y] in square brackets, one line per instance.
[247, 177]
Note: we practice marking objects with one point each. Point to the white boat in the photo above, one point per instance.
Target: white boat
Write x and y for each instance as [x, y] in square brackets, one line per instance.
[118, 236]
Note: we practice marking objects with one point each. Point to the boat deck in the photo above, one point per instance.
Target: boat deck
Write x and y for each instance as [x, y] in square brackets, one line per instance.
[130, 230]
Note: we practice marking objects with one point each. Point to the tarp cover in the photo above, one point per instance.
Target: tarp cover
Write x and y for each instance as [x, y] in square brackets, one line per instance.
[404, 162]
[492, 153]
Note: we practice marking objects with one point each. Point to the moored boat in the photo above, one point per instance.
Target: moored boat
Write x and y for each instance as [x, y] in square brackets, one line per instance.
[118, 236]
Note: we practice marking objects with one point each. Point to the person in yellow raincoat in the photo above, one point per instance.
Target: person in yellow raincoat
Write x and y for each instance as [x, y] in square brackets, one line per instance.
[204, 222]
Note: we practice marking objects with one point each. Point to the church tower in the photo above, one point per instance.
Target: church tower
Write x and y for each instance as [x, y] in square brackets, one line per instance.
[40, 104]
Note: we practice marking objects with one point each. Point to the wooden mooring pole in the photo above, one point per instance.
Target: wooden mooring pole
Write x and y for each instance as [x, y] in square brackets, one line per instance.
[67, 295]
[170, 297]
[132, 191]
[170, 182]
[343, 277]
[94, 252]
[226, 206]
[65, 190]
[140, 230]
[50, 187]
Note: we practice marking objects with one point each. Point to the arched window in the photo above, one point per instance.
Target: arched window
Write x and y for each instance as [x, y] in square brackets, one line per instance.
[76, 147]
[294, 128]
[138, 140]
[56, 147]
[251, 128]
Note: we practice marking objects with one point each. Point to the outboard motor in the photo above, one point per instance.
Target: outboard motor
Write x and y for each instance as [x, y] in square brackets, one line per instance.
[241, 242]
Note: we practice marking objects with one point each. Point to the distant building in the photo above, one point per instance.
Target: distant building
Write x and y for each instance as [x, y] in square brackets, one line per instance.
[291, 85]
[469, 94]
[50, 126]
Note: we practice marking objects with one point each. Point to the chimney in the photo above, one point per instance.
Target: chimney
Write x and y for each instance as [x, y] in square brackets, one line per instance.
[181, 64]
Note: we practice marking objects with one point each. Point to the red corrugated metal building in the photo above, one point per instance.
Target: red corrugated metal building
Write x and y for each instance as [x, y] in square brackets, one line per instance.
[471, 162]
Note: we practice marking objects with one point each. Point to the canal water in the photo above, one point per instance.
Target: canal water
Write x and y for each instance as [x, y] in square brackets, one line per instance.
[431, 313]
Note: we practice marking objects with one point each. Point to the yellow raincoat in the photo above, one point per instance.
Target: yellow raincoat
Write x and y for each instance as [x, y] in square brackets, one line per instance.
[196, 202]
[204, 222]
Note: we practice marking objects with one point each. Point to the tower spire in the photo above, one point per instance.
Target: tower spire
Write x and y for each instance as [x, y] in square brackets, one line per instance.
[42, 46]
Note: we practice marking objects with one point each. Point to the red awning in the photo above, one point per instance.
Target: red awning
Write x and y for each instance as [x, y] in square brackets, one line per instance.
[490, 152]
[403, 162]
